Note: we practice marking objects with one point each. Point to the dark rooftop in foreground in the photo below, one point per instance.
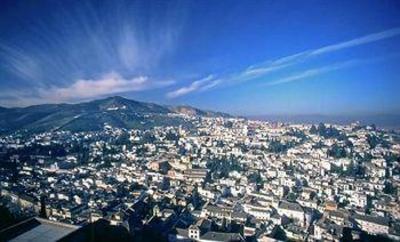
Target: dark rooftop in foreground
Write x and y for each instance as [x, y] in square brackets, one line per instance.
[99, 231]
[36, 229]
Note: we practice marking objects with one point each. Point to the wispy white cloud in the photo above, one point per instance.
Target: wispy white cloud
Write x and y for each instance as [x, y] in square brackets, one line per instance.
[138, 51]
[109, 84]
[86, 40]
[265, 68]
[256, 71]
[358, 41]
[199, 85]
[328, 68]
[19, 63]
[310, 73]
[210, 85]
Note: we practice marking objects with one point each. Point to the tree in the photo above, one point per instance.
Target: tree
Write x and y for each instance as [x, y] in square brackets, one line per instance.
[43, 212]
[321, 128]
[148, 137]
[337, 152]
[277, 147]
[195, 198]
[122, 139]
[255, 178]
[228, 124]
[313, 129]
[172, 136]
[389, 188]
[372, 141]
[7, 218]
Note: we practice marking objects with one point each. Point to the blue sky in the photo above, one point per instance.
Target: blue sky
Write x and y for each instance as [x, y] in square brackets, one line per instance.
[243, 57]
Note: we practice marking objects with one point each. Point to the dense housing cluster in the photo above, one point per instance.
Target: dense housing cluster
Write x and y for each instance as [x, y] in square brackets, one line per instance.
[219, 179]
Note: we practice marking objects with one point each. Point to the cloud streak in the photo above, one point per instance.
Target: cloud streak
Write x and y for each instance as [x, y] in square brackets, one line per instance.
[278, 64]
[19, 63]
[263, 69]
[199, 85]
[358, 41]
[328, 68]
[61, 49]
[311, 73]
[109, 84]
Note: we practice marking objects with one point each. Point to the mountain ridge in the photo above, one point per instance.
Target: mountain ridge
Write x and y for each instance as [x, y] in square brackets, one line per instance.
[93, 115]
[189, 110]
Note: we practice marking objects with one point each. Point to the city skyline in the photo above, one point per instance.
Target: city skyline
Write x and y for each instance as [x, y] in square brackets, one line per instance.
[246, 58]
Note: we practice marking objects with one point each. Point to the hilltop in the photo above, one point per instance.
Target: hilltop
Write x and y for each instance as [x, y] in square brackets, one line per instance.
[91, 116]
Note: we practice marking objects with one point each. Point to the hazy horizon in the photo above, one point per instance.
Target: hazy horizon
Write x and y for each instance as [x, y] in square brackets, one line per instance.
[382, 120]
